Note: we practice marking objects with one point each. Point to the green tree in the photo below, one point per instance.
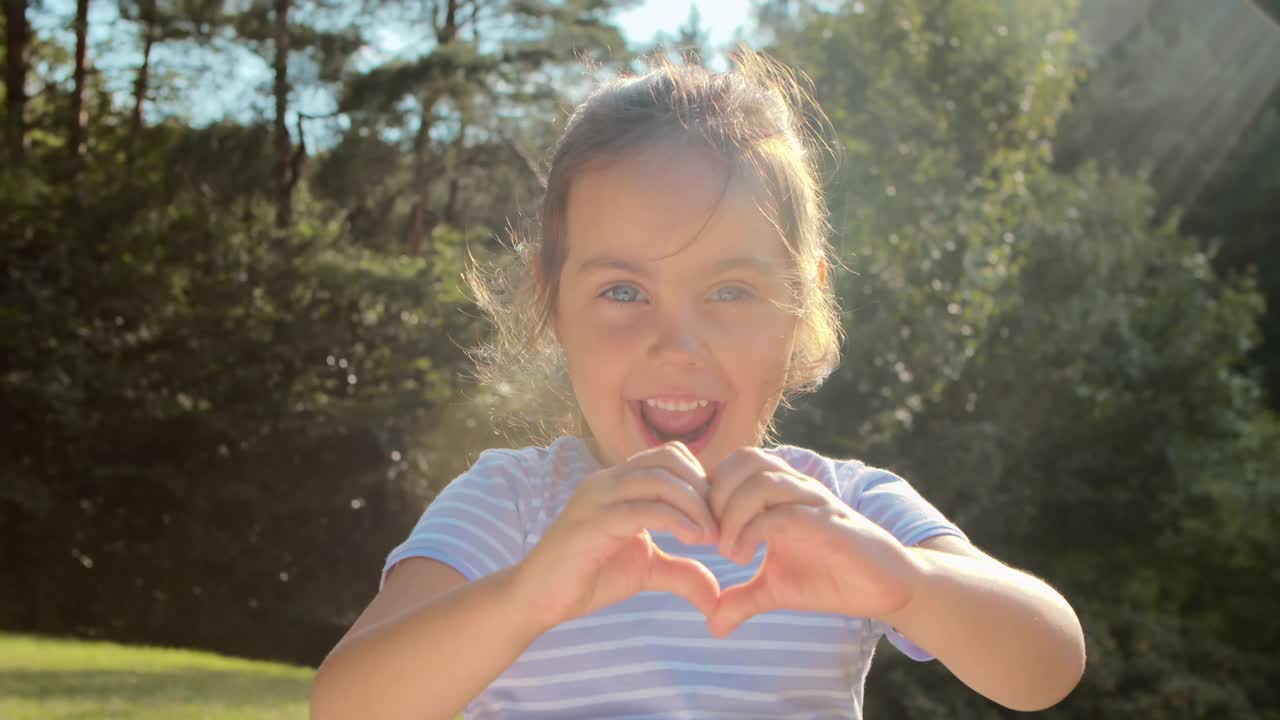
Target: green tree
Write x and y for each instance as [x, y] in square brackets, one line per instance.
[1237, 208]
[17, 65]
[483, 90]
[1053, 364]
[278, 30]
[207, 415]
[216, 367]
[1189, 94]
[77, 116]
[1173, 94]
[160, 23]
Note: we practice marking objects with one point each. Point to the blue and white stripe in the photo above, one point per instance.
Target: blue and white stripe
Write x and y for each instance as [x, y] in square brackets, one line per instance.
[652, 656]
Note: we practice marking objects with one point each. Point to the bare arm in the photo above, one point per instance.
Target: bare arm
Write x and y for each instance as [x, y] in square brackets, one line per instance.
[1004, 633]
[430, 642]
[427, 645]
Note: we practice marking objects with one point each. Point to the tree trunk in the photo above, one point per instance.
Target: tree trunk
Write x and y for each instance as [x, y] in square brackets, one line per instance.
[454, 170]
[419, 226]
[418, 229]
[284, 184]
[142, 80]
[17, 58]
[76, 134]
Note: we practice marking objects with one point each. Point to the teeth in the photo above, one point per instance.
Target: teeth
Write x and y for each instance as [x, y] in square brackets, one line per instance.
[676, 406]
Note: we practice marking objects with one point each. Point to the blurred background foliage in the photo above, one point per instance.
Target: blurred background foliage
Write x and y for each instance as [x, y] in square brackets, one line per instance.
[234, 364]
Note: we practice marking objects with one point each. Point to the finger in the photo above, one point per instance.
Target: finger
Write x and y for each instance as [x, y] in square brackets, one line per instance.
[677, 458]
[734, 469]
[685, 577]
[660, 484]
[765, 527]
[627, 518]
[684, 452]
[739, 604]
[754, 496]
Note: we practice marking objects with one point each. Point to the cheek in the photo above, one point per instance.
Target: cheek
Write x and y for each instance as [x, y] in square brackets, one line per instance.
[763, 334]
[764, 348]
[592, 349]
[602, 322]
[596, 331]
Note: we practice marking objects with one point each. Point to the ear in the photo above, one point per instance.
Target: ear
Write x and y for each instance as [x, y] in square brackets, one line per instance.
[822, 273]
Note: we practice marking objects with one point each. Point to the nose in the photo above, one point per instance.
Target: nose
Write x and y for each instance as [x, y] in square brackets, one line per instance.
[679, 339]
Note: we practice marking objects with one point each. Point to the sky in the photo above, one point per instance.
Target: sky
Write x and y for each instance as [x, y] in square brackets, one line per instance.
[721, 18]
[205, 93]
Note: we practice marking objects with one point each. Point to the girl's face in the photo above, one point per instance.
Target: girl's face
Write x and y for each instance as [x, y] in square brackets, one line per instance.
[668, 299]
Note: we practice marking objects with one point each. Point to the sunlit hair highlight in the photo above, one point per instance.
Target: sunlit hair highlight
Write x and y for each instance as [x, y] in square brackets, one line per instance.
[756, 117]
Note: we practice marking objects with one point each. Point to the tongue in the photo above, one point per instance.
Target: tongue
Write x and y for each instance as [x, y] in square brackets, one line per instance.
[677, 422]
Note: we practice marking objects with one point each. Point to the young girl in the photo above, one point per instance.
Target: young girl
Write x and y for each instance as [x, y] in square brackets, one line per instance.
[661, 563]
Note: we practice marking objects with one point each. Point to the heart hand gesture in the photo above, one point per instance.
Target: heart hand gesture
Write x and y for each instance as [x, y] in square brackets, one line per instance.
[599, 551]
[821, 554]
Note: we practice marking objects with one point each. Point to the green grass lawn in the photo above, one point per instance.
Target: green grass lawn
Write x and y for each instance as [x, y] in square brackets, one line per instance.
[51, 679]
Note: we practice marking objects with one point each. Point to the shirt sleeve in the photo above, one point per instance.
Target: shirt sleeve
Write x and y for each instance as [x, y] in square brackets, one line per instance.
[890, 502]
[475, 523]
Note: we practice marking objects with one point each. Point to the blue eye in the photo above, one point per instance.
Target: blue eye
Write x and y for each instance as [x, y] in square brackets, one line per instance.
[621, 293]
[729, 293]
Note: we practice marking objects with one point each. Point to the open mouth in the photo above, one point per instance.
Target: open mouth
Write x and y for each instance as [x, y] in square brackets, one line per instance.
[662, 426]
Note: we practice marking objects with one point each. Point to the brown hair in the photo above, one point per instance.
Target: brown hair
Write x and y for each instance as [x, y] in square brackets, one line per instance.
[756, 117]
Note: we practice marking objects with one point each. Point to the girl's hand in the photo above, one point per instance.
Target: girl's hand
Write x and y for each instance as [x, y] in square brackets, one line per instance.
[822, 555]
[598, 552]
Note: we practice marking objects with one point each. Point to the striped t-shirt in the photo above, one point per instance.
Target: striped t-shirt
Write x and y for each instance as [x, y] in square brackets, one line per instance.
[652, 656]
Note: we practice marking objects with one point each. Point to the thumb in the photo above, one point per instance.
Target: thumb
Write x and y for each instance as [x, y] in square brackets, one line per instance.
[687, 578]
[739, 604]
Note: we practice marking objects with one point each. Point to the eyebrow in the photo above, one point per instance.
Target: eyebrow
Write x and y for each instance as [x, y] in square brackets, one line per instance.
[764, 266]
